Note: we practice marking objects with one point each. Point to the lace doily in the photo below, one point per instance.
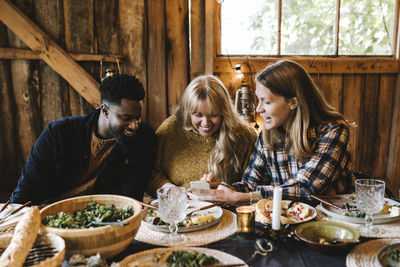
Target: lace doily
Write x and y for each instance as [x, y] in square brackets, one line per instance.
[226, 227]
[365, 254]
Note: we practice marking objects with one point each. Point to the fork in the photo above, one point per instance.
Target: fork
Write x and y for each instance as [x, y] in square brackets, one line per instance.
[106, 223]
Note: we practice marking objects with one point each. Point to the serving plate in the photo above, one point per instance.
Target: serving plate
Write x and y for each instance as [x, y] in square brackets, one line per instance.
[348, 198]
[192, 205]
[141, 258]
[293, 220]
[13, 219]
[382, 258]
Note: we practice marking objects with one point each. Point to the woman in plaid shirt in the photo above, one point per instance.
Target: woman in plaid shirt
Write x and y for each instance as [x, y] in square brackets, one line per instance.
[304, 147]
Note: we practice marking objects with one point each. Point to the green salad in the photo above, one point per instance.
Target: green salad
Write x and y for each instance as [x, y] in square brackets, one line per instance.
[394, 254]
[190, 259]
[94, 212]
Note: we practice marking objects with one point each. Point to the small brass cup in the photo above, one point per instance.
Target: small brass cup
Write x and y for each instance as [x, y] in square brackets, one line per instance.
[245, 216]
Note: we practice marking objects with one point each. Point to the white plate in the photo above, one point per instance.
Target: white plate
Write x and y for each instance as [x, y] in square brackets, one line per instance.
[192, 205]
[382, 258]
[145, 256]
[342, 199]
[13, 219]
[313, 212]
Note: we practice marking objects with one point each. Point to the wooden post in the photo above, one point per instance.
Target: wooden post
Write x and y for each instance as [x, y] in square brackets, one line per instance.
[393, 163]
[26, 91]
[10, 157]
[79, 37]
[197, 35]
[178, 50]
[132, 36]
[210, 48]
[387, 92]
[51, 53]
[156, 62]
[48, 15]
[351, 110]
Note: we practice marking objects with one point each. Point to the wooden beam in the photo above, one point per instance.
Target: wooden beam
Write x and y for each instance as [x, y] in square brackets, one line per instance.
[316, 64]
[15, 53]
[50, 52]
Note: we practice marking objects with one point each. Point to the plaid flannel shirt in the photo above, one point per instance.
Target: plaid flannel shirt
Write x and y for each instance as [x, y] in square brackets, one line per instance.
[328, 171]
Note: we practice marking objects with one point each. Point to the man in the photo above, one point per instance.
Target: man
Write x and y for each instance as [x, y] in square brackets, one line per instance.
[109, 151]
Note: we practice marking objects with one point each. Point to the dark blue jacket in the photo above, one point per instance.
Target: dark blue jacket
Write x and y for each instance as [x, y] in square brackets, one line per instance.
[61, 155]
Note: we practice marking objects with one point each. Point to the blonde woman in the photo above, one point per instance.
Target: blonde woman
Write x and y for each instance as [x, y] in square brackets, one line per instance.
[304, 147]
[205, 137]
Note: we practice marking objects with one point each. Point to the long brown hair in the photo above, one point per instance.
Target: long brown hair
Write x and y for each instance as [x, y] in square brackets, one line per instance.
[289, 79]
[233, 135]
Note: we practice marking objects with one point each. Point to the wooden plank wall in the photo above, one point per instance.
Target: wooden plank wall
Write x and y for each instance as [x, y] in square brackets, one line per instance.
[151, 36]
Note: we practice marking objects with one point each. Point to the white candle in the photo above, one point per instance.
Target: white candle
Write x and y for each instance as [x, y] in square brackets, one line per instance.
[276, 208]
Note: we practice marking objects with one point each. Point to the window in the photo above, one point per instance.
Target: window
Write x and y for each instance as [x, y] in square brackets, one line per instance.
[307, 27]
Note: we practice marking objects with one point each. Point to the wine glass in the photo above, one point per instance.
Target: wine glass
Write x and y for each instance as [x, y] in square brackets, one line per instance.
[370, 197]
[172, 202]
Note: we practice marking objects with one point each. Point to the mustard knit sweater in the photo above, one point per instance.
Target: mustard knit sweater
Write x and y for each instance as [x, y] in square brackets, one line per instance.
[183, 155]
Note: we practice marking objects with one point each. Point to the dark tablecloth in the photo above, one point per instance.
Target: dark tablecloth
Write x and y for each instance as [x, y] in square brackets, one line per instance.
[291, 253]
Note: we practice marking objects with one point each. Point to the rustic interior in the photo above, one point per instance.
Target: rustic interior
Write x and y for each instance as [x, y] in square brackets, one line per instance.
[53, 54]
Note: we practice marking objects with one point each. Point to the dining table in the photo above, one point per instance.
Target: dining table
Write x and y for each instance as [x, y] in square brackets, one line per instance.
[289, 252]
[284, 248]
[266, 247]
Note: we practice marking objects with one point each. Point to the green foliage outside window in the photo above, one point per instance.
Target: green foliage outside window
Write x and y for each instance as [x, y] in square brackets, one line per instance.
[250, 27]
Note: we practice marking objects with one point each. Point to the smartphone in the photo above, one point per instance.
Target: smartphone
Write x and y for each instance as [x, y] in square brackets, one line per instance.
[199, 185]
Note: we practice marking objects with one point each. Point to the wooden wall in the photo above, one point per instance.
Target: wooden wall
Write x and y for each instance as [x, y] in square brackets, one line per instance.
[152, 37]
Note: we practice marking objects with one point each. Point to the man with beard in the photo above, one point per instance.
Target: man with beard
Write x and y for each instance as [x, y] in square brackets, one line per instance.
[109, 151]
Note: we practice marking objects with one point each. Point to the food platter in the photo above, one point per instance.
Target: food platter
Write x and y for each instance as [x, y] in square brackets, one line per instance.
[215, 212]
[382, 258]
[350, 199]
[286, 216]
[141, 258]
[13, 219]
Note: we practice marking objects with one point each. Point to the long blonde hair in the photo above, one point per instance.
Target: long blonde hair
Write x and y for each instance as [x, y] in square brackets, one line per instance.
[233, 134]
[289, 79]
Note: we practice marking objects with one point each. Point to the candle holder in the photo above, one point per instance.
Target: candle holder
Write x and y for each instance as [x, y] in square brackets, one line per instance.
[245, 216]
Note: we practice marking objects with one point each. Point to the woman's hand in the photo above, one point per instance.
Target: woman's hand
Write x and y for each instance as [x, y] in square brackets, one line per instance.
[211, 179]
[222, 193]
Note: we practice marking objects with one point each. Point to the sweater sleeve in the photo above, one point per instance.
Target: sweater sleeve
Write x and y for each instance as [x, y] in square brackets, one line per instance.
[158, 177]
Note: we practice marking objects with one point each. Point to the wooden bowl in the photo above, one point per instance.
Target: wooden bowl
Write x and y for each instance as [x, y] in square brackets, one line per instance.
[106, 240]
[310, 233]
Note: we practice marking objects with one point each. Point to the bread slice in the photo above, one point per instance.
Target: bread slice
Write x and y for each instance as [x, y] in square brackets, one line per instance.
[22, 241]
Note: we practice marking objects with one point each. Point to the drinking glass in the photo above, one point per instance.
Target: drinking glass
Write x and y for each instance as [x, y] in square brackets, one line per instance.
[172, 202]
[370, 197]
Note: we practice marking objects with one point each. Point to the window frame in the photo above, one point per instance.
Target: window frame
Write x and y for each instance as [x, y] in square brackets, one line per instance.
[313, 64]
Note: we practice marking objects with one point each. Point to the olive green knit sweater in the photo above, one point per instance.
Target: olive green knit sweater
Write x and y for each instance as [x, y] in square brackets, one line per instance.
[183, 155]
